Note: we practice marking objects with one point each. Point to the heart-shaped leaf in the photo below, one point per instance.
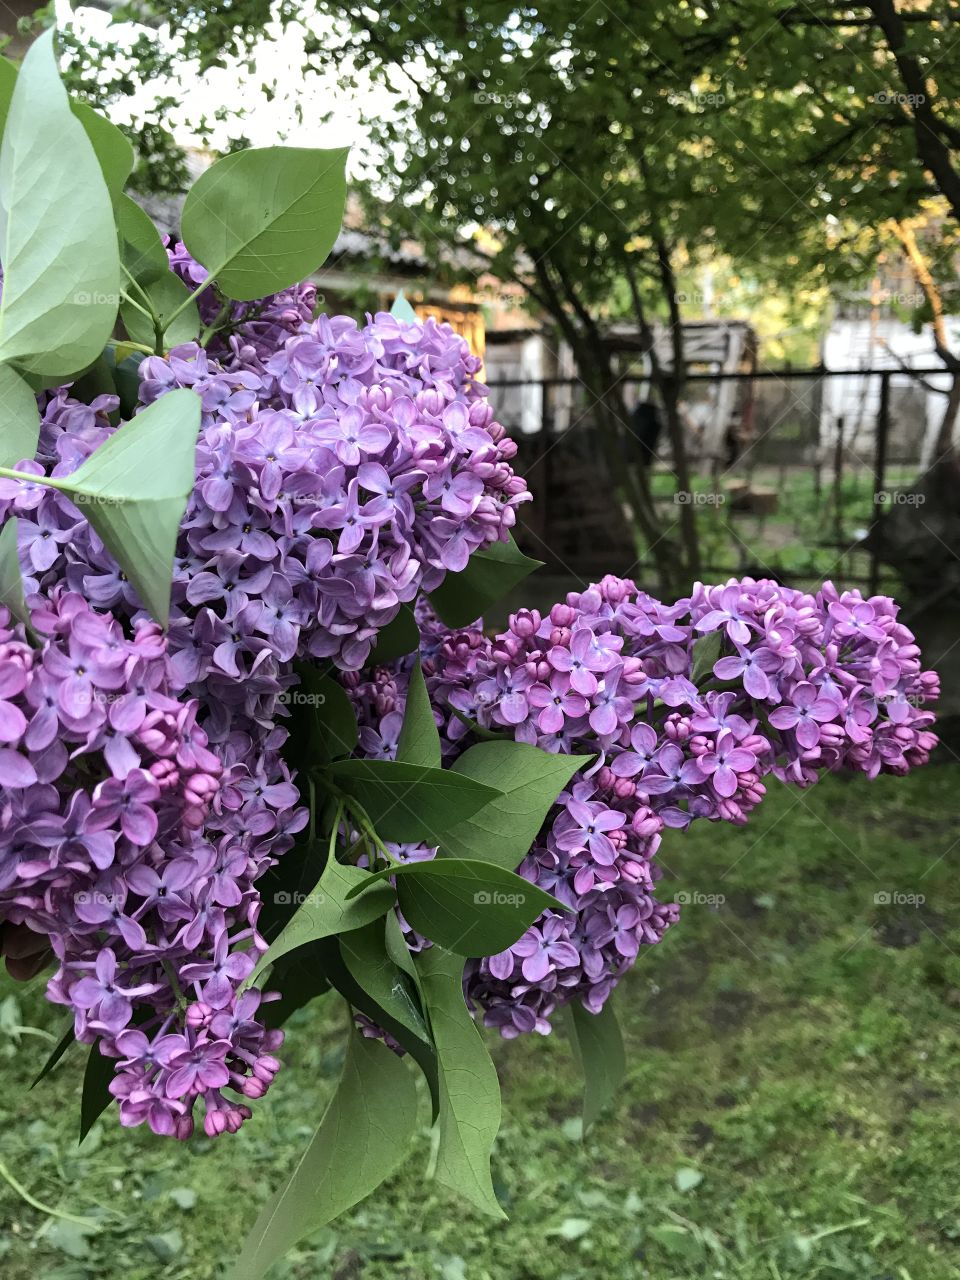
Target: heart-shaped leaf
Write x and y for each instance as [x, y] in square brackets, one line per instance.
[408, 802]
[58, 243]
[470, 907]
[263, 219]
[363, 1137]
[20, 418]
[529, 781]
[463, 597]
[134, 491]
[469, 1116]
[419, 741]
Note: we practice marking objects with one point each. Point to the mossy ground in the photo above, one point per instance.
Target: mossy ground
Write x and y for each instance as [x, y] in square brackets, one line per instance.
[790, 1111]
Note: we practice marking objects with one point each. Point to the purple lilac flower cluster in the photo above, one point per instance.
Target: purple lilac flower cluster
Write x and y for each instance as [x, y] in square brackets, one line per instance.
[798, 684]
[341, 470]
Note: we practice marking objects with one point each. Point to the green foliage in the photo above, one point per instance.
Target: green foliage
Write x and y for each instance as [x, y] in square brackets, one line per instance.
[96, 1097]
[61, 287]
[11, 579]
[134, 491]
[408, 802]
[21, 418]
[261, 220]
[800, 1055]
[598, 1045]
[419, 742]
[111, 147]
[172, 316]
[463, 597]
[361, 1140]
[528, 780]
[472, 908]
[469, 1089]
[331, 908]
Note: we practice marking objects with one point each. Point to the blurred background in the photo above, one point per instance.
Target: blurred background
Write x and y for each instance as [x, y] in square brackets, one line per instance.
[707, 254]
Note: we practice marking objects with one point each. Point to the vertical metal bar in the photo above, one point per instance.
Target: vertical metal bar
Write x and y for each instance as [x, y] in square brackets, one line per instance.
[879, 478]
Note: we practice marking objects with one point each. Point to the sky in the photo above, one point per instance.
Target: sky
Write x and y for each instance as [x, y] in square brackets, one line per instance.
[277, 61]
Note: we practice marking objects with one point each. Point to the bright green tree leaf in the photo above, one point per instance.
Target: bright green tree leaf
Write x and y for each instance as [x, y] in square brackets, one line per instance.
[58, 243]
[362, 1139]
[469, 1089]
[19, 418]
[263, 219]
[363, 970]
[598, 1045]
[113, 151]
[134, 491]
[419, 739]
[408, 802]
[166, 296]
[529, 781]
[470, 907]
[463, 597]
[330, 908]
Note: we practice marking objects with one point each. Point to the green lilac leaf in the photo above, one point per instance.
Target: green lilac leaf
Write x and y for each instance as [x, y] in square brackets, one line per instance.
[706, 651]
[141, 249]
[470, 907]
[397, 638]
[402, 309]
[362, 1139]
[11, 577]
[95, 1097]
[58, 242]
[111, 147]
[598, 1044]
[419, 739]
[529, 781]
[469, 1089]
[332, 907]
[20, 418]
[134, 491]
[463, 597]
[264, 219]
[408, 802]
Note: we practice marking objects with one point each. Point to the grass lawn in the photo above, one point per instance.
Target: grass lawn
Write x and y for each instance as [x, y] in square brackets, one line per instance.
[790, 1113]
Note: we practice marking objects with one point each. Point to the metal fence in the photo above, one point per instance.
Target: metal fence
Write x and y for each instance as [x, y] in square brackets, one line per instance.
[790, 469]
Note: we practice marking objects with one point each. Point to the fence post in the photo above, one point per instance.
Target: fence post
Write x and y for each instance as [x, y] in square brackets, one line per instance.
[879, 478]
